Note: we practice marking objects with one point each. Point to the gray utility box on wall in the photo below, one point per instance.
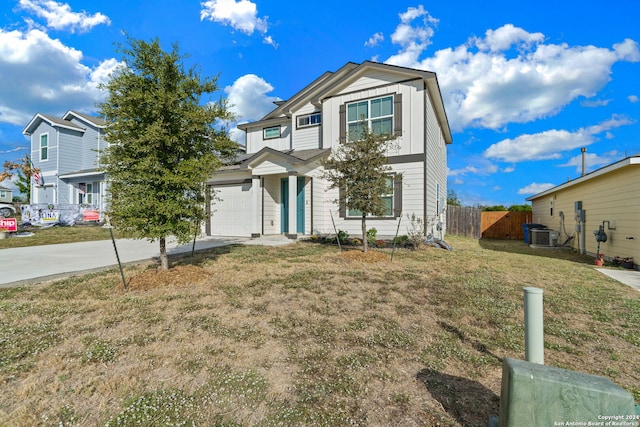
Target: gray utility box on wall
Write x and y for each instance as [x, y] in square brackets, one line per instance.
[535, 395]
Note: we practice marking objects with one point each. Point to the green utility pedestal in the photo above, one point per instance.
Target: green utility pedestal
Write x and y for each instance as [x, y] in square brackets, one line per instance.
[535, 395]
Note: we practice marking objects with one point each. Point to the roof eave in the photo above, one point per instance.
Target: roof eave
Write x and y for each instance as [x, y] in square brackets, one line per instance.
[632, 160]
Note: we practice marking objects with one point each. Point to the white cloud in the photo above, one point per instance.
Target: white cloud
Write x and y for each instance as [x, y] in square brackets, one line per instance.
[374, 40]
[413, 38]
[484, 168]
[269, 40]
[509, 75]
[240, 15]
[535, 188]
[248, 97]
[633, 99]
[29, 85]
[595, 103]
[549, 144]
[60, 17]
[248, 100]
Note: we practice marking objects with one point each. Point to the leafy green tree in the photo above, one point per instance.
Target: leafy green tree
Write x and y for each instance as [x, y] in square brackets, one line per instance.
[24, 169]
[496, 208]
[452, 198]
[360, 171]
[163, 144]
[520, 208]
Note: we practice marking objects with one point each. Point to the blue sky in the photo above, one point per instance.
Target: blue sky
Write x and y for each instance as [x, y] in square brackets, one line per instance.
[525, 84]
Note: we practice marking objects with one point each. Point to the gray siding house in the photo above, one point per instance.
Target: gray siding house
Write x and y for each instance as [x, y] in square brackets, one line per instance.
[6, 195]
[67, 152]
[277, 187]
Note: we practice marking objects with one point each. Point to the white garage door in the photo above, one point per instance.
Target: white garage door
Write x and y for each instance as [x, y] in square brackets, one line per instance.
[231, 210]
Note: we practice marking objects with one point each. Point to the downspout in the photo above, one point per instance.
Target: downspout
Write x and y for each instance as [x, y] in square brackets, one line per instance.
[56, 185]
[426, 187]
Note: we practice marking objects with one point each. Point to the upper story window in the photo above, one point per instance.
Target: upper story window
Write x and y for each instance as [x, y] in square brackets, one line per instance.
[3, 194]
[271, 132]
[309, 120]
[44, 147]
[375, 113]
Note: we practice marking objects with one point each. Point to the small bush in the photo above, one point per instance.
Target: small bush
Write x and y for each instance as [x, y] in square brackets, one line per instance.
[400, 240]
[371, 236]
[416, 230]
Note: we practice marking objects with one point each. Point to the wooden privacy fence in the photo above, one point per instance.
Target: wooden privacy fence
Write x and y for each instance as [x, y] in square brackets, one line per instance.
[464, 221]
[474, 223]
[504, 225]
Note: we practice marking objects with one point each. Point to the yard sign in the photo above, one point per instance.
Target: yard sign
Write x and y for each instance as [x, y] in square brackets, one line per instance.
[9, 224]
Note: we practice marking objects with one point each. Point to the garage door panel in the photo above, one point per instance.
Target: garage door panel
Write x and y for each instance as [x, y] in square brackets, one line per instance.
[231, 210]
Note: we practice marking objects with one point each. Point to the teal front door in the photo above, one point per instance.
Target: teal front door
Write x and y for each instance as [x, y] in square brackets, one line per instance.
[284, 206]
[300, 206]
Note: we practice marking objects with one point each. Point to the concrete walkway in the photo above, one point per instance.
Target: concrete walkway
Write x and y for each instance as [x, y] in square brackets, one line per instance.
[628, 277]
[19, 266]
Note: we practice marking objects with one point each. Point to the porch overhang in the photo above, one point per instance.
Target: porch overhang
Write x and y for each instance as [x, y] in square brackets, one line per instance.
[290, 157]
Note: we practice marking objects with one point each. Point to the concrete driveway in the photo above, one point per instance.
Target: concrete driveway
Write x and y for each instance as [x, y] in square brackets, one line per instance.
[628, 277]
[31, 264]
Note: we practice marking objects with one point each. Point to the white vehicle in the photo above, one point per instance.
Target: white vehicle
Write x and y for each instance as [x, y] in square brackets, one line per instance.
[6, 210]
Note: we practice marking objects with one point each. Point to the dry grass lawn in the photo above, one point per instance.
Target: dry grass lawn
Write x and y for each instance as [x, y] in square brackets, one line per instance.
[305, 335]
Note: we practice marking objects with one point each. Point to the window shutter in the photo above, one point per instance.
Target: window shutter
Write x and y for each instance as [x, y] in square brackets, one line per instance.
[397, 114]
[343, 123]
[342, 206]
[397, 196]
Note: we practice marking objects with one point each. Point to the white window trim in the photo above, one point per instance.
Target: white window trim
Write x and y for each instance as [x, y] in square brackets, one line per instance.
[392, 195]
[264, 132]
[369, 119]
[40, 146]
[89, 193]
[316, 113]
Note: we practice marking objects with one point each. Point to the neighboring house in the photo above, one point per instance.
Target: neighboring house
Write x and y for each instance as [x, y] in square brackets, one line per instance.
[6, 195]
[67, 152]
[608, 197]
[277, 187]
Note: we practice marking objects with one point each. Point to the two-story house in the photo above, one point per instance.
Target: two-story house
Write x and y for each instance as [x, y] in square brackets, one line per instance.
[67, 152]
[277, 187]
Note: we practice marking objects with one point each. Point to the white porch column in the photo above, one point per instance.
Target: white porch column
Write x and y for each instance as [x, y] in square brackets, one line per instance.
[256, 230]
[293, 199]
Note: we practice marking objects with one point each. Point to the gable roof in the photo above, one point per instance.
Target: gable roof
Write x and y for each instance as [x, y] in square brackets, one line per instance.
[52, 121]
[628, 161]
[64, 122]
[95, 121]
[330, 83]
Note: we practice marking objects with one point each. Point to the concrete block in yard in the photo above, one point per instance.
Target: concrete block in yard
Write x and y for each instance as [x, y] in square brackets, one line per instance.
[536, 395]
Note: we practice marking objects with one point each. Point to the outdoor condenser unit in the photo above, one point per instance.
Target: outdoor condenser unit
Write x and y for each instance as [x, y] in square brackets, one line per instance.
[543, 237]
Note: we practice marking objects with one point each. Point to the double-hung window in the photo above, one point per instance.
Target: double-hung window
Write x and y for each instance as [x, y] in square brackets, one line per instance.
[376, 114]
[44, 147]
[309, 120]
[387, 198]
[90, 193]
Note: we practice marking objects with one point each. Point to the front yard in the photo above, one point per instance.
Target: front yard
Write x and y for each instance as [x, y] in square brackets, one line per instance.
[305, 335]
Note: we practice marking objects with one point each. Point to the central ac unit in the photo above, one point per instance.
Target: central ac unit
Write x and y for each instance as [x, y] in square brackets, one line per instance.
[543, 237]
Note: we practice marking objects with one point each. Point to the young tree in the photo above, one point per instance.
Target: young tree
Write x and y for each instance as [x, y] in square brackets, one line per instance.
[163, 144]
[359, 170]
[452, 198]
[25, 170]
